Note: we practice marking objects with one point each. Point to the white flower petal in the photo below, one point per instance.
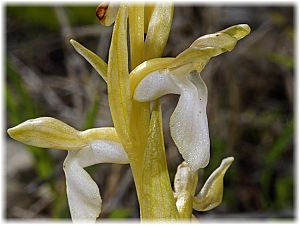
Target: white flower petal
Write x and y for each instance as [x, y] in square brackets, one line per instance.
[102, 151]
[155, 85]
[83, 194]
[188, 123]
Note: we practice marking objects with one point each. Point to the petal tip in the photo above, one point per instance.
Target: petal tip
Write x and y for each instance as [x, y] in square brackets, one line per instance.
[73, 42]
[11, 132]
[227, 161]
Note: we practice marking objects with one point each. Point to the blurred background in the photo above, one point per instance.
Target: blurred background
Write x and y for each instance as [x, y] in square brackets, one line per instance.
[250, 108]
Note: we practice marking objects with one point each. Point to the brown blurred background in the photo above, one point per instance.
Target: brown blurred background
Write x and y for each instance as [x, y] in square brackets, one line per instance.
[250, 107]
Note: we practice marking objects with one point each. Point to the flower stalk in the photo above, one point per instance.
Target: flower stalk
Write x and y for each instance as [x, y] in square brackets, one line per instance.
[137, 135]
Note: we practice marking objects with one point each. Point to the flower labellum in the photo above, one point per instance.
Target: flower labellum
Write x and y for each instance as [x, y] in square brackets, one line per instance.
[83, 193]
[188, 123]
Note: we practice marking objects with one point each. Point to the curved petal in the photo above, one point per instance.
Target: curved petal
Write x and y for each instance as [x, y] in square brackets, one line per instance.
[211, 45]
[225, 39]
[102, 151]
[83, 194]
[211, 193]
[155, 85]
[188, 123]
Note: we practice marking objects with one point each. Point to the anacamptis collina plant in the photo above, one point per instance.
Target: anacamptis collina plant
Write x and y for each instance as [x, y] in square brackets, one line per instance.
[137, 135]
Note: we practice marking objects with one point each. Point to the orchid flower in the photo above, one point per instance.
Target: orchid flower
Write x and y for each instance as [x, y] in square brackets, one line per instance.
[85, 148]
[188, 123]
[210, 195]
[137, 136]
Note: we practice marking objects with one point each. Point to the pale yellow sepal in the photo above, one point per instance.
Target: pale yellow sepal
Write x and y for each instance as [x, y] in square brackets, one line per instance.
[237, 31]
[208, 46]
[47, 132]
[211, 193]
[118, 79]
[157, 196]
[224, 39]
[99, 65]
[107, 12]
[148, 13]
[158, 30]
[136, 31]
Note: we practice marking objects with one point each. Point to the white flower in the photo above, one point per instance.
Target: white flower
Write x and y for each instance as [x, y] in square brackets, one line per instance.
[210, 195]
[181, 75]
[86, 148]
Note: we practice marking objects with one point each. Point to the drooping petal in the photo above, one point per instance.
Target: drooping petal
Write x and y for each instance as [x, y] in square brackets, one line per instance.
[107, 12]
[83, 194]
[188, 123]
[211, 193]
[99, 65]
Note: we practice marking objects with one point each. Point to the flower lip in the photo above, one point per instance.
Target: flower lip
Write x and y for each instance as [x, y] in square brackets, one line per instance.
[83, 193]
[188, 123]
